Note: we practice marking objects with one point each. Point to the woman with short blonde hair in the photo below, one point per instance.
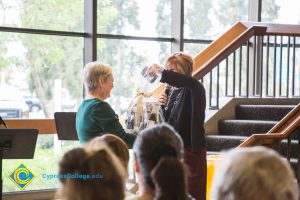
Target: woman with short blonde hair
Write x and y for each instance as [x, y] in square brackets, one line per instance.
[95, 116]
[92, 72]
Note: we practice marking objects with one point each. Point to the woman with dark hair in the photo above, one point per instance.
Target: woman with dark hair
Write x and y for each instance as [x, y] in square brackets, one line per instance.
[102, 175]
[159, 164]
[184, 109]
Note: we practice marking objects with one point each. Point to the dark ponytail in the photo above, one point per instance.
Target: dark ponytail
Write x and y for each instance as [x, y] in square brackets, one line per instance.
[169, 179]
[159, 151]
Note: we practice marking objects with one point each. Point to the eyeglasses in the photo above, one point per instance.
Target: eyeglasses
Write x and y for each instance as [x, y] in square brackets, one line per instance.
[177, 54]
[181, 55]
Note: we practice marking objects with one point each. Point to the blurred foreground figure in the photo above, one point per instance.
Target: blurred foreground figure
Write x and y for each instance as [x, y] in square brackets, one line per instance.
[254, 173]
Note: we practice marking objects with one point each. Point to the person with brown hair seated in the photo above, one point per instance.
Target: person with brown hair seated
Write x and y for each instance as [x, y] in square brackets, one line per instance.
[91, 174]
[161, 172]
[118, 146]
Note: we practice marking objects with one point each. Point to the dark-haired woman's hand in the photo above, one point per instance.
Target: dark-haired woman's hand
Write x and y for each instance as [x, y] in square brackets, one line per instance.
[154, 69]
[163, 99]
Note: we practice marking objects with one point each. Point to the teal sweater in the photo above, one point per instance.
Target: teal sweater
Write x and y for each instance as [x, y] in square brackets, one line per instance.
[95, 117]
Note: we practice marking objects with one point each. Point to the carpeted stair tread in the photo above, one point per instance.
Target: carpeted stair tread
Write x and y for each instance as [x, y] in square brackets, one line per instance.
[252, 119]
[293, 162]
[262, 112]
[294, 148]
[223, 142]
[244, 127]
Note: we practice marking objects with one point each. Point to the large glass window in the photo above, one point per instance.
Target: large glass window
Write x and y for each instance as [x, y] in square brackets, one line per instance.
[281, 11]
[39, 75]
[127, 63]
[194, 48]
[64, 15]
[208, 19]
[134, 17]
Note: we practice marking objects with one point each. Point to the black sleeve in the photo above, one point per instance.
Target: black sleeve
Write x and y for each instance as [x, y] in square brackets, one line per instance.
[178, 80]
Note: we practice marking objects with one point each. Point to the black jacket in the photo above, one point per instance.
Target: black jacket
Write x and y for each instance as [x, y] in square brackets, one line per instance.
[188, 111]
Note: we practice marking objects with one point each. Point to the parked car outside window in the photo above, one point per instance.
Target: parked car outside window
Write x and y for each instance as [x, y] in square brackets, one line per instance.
[12, 103]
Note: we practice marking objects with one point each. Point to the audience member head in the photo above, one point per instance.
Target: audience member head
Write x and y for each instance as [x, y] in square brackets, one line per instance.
[254, 173]
[108, 182]
[98, 76]
[181, 63]
[116, 144]
[159, 160]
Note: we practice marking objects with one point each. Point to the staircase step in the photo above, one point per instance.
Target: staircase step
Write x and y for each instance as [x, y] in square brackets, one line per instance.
[294, 148]
[293, 162]
[244, 127]
[262, 112]
[223, 142]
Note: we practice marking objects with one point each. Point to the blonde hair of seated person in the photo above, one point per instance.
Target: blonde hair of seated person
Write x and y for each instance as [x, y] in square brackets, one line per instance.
[254, 173]
[102, 161]
[116, 144]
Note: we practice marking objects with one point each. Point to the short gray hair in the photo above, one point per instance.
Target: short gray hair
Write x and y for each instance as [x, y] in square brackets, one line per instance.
[92, 72]
[254, 173]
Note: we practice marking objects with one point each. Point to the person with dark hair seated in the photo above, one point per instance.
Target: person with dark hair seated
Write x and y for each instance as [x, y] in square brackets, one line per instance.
[159, 165]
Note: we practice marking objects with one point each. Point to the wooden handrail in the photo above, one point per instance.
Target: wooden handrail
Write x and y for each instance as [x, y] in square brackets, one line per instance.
[276, 29]
[282, 130]
[264, 139]
[205, 57]
[285, 124]
[227, 50]
[237, 35]
[218, 45]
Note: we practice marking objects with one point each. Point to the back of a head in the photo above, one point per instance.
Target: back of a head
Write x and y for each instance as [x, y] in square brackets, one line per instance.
[159, 151]
[254, 173]
[116, 144]
[169, 176]
[104, 175]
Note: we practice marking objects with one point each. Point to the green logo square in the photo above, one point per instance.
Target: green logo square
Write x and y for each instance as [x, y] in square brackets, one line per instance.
[21, 176]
